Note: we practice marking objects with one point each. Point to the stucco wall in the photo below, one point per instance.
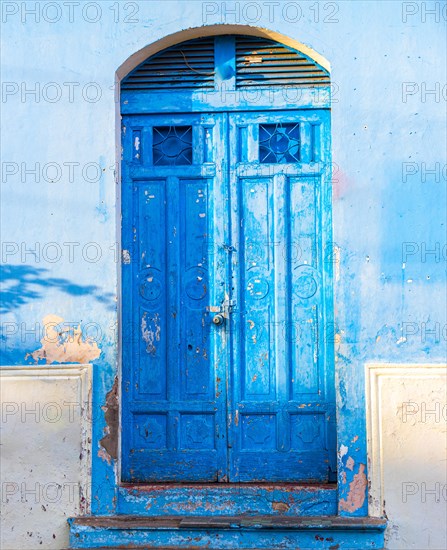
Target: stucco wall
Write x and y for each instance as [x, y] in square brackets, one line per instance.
[407, 414]
[60, 185]
[46, 445]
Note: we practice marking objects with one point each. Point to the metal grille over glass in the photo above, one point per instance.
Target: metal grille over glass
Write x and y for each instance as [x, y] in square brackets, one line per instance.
[172, 145]
[279, 143]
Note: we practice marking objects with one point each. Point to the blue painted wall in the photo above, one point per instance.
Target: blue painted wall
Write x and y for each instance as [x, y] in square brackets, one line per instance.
[389, 101]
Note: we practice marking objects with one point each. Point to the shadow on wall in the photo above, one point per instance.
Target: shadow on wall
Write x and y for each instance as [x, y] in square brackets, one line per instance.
[19, 285]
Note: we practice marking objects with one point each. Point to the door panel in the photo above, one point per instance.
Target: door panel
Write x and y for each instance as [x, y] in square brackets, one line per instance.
[281, 400]
[174, 403]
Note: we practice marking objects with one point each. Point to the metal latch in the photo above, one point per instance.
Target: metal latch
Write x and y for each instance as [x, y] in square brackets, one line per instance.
[226, 307]
[229, 248]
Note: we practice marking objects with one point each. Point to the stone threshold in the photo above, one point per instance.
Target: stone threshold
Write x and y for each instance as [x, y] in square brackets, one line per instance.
[232, 522]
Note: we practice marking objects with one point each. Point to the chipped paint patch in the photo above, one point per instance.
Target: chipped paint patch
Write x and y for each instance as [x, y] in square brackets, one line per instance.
[150, 334]
[105, 456]
[343, 451]
[280, 506]
[64, 343]
[109, 442]
[357, 492]
[350, 463]
[126, 257]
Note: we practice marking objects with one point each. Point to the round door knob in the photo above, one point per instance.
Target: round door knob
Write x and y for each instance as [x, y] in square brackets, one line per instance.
[218, 319]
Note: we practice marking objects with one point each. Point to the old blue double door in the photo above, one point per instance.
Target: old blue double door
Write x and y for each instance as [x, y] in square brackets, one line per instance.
[227, 371]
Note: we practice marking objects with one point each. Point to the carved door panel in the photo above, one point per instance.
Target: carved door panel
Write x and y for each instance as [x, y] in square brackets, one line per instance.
[174, 363]
[282, 391]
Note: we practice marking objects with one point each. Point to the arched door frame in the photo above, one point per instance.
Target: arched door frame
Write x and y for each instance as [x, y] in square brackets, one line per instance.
[181, 36]
[214, 30]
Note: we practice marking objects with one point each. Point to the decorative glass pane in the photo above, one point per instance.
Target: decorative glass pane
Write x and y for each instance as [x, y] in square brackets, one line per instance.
[172, 145]
[279, 143]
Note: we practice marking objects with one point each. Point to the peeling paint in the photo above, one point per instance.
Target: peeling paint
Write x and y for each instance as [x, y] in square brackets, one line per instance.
[109, 442]
[357, 492]
[280, 506]
[126, 257]
[149, 335]
[64, 344]
[105, 456]
[343, 451]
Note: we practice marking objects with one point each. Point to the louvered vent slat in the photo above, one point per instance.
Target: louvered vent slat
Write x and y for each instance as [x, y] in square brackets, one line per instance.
[276, 63]
[261, 62]
[282, 70]
[185, 66]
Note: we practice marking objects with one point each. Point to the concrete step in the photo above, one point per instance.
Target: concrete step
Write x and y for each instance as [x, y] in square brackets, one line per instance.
[227, 499]
[230, 532]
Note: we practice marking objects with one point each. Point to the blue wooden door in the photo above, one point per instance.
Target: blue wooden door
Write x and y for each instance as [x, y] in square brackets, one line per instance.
[227, 375]
[174, 363]
[282, 413]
